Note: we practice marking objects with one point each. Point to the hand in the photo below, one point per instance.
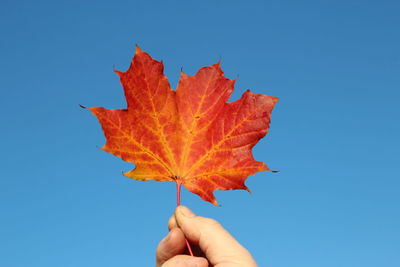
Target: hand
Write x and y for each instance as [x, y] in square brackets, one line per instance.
[219, 248]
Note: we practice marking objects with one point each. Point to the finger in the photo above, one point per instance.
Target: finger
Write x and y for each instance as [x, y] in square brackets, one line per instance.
[217, 244]
[172, 245]
[172, 222]
[186, 261]
[195, 247]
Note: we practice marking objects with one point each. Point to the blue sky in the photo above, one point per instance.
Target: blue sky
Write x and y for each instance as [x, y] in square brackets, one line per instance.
[334, 135]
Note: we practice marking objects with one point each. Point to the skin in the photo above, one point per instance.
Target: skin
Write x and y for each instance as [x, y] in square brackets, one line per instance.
[209, 240]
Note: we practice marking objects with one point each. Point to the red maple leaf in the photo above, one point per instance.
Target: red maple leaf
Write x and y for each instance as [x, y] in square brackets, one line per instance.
[192, 135]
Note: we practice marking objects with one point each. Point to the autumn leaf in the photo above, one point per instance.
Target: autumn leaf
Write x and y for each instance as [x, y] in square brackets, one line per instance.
[192, 135]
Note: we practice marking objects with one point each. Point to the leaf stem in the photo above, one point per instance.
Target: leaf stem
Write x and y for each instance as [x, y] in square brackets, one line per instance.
[178, 202]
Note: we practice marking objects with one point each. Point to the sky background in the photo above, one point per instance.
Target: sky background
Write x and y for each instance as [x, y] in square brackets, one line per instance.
[335, 65]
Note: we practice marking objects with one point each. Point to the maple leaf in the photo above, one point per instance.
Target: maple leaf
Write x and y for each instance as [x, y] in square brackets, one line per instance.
[192, 135]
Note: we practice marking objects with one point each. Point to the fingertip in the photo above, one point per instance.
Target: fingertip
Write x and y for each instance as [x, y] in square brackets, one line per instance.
[172, 223]
[184, 219]
[185, 211]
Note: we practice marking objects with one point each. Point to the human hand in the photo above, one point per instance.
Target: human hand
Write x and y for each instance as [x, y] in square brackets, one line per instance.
[217, 246]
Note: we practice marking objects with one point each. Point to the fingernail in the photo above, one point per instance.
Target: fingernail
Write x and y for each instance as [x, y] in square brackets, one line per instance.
[186, 211]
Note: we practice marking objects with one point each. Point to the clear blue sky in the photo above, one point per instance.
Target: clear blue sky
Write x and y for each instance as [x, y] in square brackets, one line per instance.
[334, 135]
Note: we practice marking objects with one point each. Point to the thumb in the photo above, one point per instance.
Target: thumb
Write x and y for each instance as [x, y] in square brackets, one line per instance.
[217, 244]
